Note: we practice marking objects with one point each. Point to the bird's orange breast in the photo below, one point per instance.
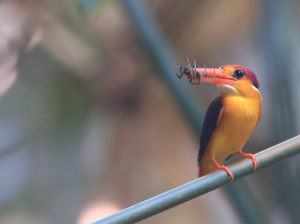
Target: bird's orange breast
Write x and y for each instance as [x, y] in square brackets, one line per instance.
[240, 116]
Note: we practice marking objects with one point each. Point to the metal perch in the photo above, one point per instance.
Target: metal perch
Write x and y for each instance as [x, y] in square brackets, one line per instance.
[202, 185]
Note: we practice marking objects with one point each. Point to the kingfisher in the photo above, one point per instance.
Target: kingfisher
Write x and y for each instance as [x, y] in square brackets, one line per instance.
[231, 117]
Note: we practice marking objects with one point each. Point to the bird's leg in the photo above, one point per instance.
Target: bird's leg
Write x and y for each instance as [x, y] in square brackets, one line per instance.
[223, 168]
[249, 155]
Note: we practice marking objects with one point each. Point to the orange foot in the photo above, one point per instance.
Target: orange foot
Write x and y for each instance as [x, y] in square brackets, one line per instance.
[249, 155]
[224, 168]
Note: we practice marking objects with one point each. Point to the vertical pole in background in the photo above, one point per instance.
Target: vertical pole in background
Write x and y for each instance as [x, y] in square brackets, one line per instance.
[164, 57]
[278, 41]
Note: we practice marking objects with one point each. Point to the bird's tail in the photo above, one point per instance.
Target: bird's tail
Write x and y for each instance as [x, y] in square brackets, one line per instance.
[198, 173]
[205, 167]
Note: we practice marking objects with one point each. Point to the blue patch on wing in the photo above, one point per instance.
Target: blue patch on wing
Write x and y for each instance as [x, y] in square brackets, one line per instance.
[209, 125]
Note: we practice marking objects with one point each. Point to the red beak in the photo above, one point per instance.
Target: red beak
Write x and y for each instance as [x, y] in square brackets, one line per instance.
[218, 76]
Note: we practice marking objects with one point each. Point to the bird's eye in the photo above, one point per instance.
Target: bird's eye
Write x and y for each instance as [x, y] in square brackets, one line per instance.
[238, 74]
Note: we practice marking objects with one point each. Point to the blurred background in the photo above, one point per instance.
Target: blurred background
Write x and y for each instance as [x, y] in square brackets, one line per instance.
[93, 119]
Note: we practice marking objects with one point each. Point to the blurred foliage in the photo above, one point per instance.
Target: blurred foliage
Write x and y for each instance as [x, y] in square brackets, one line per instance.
[88, 127]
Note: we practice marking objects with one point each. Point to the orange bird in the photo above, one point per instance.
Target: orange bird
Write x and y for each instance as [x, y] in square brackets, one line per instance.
[230, 119]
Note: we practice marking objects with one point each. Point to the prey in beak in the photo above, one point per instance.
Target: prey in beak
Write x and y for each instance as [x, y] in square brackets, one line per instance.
[215, 76]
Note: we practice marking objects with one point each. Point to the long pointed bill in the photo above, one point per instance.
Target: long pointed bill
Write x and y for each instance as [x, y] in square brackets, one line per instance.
[217, 76]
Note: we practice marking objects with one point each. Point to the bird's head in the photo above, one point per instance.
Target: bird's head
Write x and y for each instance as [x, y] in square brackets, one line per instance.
[232, 80]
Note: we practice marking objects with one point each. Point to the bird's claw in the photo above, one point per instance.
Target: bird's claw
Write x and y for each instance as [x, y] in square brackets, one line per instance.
[249, 155]
[231, 177]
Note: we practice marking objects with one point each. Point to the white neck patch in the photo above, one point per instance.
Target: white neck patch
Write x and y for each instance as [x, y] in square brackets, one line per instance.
[255, 88]
[228, 90]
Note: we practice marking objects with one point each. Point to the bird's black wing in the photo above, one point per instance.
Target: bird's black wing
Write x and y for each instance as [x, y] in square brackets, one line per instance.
[209, 125]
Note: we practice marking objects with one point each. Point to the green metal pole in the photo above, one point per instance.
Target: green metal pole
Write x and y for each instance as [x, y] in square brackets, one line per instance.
[202, 185]
[165, 58]
[278, 44]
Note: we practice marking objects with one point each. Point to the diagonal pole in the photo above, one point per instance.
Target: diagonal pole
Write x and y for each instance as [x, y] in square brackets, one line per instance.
[202, 185]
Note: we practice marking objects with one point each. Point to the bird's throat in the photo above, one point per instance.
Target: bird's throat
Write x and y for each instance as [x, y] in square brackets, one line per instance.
[227, 90]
